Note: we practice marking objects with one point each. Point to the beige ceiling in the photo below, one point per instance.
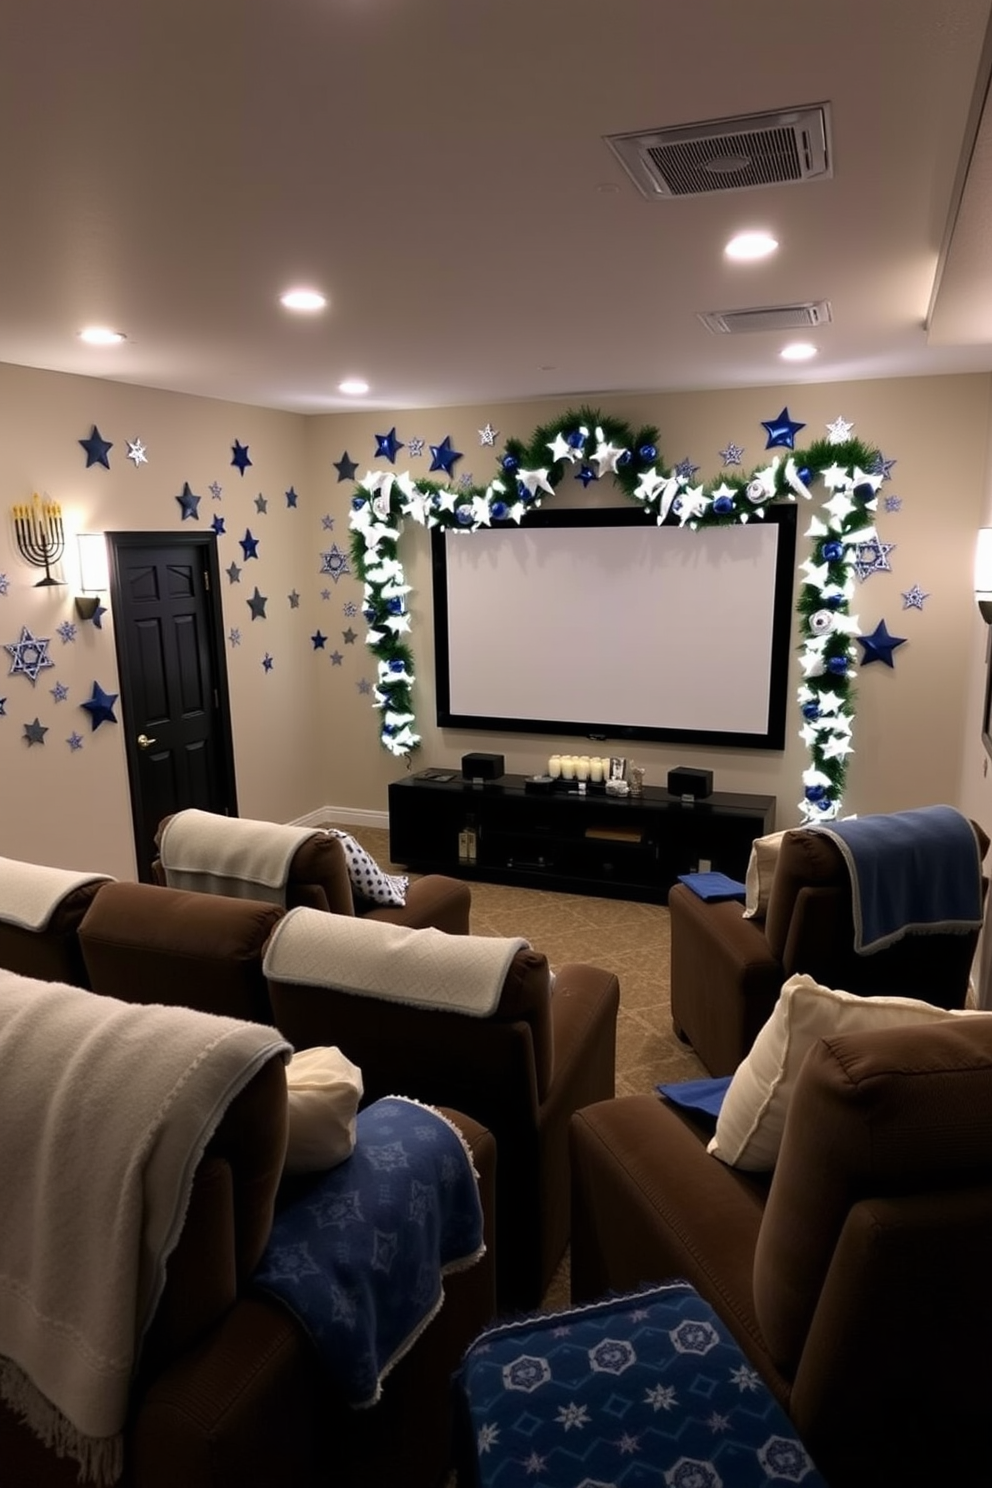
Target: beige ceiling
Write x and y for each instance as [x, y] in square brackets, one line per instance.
[438, 167]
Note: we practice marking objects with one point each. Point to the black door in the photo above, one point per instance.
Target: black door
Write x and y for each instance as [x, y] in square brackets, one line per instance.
[165, 591]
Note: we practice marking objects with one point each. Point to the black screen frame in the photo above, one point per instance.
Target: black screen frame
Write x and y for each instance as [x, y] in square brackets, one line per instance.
[784, 515]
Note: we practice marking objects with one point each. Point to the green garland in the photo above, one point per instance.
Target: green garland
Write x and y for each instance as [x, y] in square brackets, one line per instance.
[529, 472]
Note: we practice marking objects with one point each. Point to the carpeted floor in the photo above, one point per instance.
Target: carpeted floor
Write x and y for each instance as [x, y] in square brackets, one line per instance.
[630, 939]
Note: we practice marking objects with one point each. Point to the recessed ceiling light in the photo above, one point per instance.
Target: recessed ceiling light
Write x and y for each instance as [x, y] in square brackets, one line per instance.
[747, 246]
[353, 386]
[798, 351]
[303, 299]
[101, 336]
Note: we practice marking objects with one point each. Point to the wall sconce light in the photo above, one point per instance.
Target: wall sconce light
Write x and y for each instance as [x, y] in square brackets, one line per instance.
[93, 577]
[983, 573]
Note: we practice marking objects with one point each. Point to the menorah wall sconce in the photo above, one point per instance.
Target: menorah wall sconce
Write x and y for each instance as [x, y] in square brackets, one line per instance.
[40, 539]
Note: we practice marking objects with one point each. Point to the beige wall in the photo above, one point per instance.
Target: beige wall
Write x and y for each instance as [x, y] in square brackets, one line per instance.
[304, 734]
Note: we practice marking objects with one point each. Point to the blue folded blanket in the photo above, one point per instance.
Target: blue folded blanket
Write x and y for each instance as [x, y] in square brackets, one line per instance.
[359, 1257]
[698, 1095]
[912, 872]
[714, 886]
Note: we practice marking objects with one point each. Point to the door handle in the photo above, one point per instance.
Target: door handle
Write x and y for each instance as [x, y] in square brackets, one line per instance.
[144, 741]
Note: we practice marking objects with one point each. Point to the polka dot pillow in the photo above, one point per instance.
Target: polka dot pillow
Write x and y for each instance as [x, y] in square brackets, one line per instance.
[368, 881]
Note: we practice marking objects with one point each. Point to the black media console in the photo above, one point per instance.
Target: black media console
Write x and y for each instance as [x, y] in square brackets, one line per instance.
[631, 847]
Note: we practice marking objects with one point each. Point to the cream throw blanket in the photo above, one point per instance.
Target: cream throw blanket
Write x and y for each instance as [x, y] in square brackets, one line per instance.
[429, 968]
[30, 893]
[230, 855]
[105, 1109]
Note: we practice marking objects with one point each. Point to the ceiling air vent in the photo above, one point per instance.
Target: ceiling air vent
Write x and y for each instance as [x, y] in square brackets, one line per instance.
[728, 154]
[767, 318]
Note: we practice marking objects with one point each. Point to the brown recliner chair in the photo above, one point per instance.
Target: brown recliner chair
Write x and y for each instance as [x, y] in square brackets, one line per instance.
[318, 878]
[230, 1392]
[547, 1049]
[856, 1277]
[727, 971]
[40, 913]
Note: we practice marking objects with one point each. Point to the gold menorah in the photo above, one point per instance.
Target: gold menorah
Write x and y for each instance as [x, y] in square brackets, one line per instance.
[38, 529]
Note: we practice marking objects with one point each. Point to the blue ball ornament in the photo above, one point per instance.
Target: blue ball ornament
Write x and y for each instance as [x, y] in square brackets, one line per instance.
[624, 458]
[648, 453]
[357, 502]
[396, 665]
[463, 516]
[576, 439]
[810, 711]
[369, 613]
[833, 550]
[723, 505]
[864, 492]
[510, 463]
[834, 601]
[499, 510]
[815, 792]
[395, 606]
[805, 475]
[837, 665]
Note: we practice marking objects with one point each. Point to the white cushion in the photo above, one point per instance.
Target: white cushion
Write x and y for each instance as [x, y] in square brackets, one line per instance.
[752, 1117]
[324, 1091]
[760, 872]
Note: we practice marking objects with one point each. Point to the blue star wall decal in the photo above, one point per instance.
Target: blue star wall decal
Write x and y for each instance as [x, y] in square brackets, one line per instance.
[879, 646]
[872, 557]
[35, 732]
[318, 641]
[294, 600]
[443, 456]
[350, 636]
[218, 526]
[249, 545]
[30, 655]
[257, 605]
[239, 456]
[346, 468]
[364, 686]
[387, 445]
[334, 563]
[913, 598]
[97, 616]
[97, 449]
[74, 741]
[781, 431]
[291, 498]
[4, 583]
[261, 505]
[59, 692]
[336, 658]
[188, 503]
[3, 707]
[327, 522]
[266, 662]
[100, 706]
[233, 573]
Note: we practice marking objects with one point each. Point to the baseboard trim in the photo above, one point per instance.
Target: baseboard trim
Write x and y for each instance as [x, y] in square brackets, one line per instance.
[342, 816]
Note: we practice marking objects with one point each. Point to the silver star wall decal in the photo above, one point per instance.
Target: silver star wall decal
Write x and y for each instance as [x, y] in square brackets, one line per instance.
[136, 452]
[488, 436]
[913, 598]
[30, 655]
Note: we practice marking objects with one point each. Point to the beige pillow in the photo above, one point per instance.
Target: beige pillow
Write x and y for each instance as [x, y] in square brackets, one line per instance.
[324, 1091]
[752, 1118]
[760, 872]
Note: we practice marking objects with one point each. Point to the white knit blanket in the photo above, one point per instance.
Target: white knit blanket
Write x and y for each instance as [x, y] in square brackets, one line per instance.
[429, 968]
[230, 854]
[30, 893]
[105, 1109]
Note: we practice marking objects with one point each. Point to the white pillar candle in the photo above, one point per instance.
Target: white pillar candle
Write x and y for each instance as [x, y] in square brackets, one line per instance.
[568, 766]
[554, 766]
[582, 767]
[596, 769]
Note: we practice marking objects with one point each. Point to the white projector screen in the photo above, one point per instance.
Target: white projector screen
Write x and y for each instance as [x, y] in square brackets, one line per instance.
[595, 621]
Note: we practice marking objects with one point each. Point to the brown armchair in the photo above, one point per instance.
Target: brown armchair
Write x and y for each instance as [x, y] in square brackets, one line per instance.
[230, 1392]
[40, 913]
[318, 878]
[548, 1048]
[856, 1277]
[727, 971]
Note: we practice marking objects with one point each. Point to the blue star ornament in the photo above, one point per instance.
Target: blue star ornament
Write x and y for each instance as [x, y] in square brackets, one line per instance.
[385, 445]
[35, 732]
[346, 468]
[97, 449]
[100, 706]
[879, 646]
[443, 456]
[292, 497]
[239, 456]
[217, 525]
[249, 545]
[188, 503]
[257, 605]
[781, 431]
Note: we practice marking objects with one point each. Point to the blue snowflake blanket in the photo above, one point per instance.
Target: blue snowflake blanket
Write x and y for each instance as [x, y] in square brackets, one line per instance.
[644, 1390]
[360, 1255]
[912, 872]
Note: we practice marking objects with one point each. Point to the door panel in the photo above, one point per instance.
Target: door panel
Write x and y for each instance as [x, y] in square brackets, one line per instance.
[173, 678]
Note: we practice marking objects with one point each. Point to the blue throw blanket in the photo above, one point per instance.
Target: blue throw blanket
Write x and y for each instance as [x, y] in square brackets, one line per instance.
[359, 1257]
[912, 872]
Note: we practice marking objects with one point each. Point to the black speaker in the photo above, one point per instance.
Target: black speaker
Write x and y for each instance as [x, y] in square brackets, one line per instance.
[482, 766]
[686, 782]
